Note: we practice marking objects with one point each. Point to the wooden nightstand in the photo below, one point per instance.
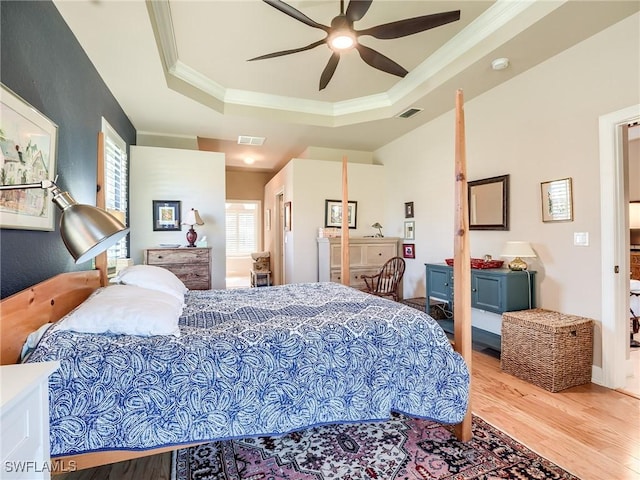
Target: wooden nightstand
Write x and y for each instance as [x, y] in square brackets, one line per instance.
[191, 265]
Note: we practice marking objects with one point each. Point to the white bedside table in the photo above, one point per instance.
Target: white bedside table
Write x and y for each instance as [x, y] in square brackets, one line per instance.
[24, 420]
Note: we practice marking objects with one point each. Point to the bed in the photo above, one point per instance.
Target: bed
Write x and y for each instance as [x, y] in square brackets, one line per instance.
[251, 362]
[340, 356]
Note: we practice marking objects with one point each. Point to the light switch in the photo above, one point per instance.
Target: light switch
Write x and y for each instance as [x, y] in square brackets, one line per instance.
[581, 239]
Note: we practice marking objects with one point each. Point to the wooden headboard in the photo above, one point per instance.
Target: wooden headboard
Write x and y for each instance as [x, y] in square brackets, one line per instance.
[48, 301]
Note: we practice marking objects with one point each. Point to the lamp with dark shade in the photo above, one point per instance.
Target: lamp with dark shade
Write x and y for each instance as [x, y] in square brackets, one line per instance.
[192, 218]
[85, 230]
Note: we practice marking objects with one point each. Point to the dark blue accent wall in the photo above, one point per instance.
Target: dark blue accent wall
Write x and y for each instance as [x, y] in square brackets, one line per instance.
[42, 62]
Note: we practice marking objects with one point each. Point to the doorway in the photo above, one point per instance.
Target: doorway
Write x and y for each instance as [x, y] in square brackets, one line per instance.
[243, 237]
[613, 129]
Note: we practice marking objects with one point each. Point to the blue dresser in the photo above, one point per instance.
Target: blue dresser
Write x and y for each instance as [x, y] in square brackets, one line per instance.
[492, 290]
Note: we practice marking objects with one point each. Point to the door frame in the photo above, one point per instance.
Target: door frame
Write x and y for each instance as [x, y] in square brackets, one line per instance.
[615, 246]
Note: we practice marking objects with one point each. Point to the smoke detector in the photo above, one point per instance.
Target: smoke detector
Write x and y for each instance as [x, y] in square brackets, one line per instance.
[500, 63]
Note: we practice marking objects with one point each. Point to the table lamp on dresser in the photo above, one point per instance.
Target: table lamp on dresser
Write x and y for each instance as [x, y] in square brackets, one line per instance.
[517, 250]
[192, 218]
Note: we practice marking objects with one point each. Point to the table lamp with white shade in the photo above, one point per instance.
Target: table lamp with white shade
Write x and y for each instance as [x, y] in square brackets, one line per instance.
[192, 218]
[518, 250]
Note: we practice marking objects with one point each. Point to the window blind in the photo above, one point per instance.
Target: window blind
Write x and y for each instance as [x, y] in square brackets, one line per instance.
[116, 188]
[242, 223]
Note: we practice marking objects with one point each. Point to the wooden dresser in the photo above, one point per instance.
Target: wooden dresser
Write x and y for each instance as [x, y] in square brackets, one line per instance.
[366, 256]
[634, 264]
[191, 265]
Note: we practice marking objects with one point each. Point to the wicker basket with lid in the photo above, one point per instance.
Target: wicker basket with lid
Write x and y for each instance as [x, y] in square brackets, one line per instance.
[549, 349]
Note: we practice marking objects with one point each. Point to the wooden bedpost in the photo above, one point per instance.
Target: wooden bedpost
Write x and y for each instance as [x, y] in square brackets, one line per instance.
[461, 262]
[101, 259]
[344, 240]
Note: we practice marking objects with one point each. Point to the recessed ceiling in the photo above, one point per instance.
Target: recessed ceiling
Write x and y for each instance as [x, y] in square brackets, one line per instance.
[179, 67]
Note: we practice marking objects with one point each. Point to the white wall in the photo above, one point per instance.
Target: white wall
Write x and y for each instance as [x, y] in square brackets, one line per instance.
[541, 125]
[318, 180]
[307, 184]
[195, 178]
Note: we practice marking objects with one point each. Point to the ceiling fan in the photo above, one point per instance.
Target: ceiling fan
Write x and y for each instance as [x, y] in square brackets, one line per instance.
[342, 36]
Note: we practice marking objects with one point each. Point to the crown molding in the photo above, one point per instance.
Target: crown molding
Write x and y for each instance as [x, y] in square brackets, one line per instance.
[499, 23]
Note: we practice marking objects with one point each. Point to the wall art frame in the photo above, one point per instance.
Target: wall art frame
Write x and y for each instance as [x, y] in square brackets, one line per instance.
[166, 215]
[408, 210]
[29, 146]
[408, 250]
[556, 198]
[287, 216]
[333, 213]
[409, 230]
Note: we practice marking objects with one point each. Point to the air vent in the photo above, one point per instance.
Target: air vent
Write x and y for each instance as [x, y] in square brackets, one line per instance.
[410, 112]
[248, 140]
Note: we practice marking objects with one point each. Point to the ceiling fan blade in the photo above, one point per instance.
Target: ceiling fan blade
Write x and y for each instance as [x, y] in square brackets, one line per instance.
[409, 26]
[357, 9]
[288, 52]
[294, 13]
[329, 70]
[379, 61]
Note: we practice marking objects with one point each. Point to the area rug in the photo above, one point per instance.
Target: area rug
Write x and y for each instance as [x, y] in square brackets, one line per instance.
[399, 449]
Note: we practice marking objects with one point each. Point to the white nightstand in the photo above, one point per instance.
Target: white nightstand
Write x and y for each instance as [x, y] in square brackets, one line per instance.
[24, 420]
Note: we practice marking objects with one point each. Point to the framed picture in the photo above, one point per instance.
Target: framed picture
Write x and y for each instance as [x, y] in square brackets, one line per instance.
[267, 219]
[333, 213]
[287, 216]
[408, 250]
[166, 215]
[408, 210]
[28, 140]
[409, 230]
[557, 200]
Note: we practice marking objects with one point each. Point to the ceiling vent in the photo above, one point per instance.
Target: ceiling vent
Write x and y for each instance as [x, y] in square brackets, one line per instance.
[409, 112]
[248, 140]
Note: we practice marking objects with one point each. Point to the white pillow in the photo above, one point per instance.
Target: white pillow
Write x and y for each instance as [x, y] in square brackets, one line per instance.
[125, 310]
[153, 278]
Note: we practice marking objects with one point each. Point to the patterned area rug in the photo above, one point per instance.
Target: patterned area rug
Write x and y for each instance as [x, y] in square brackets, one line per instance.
[399, 449]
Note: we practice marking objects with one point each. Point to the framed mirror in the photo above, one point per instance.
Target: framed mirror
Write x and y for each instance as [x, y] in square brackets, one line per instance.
[489, 203]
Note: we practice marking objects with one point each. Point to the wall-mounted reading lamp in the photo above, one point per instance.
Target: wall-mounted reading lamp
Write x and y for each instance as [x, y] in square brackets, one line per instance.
[85, 230]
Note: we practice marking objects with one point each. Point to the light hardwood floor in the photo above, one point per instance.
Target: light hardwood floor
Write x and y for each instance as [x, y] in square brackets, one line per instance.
[591, 431]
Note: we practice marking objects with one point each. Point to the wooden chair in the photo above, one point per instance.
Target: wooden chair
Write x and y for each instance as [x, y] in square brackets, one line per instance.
[385, 283]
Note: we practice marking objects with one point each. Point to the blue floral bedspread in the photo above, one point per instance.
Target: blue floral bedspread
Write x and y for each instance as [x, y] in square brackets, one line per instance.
[257, 361]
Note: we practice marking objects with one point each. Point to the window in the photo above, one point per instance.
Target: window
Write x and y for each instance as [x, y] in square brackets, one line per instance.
[243, 235]
[116, 185]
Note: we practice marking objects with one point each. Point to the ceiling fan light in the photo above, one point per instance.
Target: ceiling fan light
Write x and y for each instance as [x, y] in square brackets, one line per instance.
[342, 40]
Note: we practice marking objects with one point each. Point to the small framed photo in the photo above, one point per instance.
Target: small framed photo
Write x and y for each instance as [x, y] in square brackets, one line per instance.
[408, 250]
[557, 200]
[333, 213]
[166, 215]
[408, 210]
[409, 230]
[287, 216]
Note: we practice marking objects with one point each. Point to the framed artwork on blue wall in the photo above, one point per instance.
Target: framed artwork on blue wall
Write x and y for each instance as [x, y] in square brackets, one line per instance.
[28, 142]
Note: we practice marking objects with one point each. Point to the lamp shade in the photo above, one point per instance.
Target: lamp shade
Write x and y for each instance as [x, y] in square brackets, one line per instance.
[517, 249]
[634, 215]
[192, 218]
[86, 230]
